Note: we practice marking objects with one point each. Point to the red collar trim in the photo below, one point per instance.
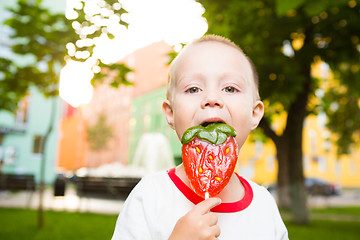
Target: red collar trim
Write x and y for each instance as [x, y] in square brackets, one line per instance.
[223, 207]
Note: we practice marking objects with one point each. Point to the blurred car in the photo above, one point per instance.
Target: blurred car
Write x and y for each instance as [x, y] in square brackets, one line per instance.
[315, 186]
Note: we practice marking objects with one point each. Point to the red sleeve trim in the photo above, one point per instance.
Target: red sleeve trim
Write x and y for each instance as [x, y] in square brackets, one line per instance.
[223, 207]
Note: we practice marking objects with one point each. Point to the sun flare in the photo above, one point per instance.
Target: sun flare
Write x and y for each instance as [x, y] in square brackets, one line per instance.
[75, 87]
[149, 21]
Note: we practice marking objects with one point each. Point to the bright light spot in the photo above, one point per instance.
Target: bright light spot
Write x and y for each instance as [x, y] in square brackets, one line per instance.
[76, 25]
[334, 106]
[84, 42]
[91, 8]
[71, 14]
[96, 69]
[178, 47]
[75, 87]
[297, 43]
[174, 21]
[117, 6]
[82, 54]
[152, 21]
[319, 93]
[287, 49]
[71, 49]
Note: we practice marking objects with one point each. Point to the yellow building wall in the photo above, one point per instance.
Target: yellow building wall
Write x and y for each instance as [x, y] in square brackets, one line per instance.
[258, 162]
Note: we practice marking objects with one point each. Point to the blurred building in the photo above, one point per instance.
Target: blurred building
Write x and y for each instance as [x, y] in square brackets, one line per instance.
[134, 112]
[118, 112]
[122, 128]
[23, 130]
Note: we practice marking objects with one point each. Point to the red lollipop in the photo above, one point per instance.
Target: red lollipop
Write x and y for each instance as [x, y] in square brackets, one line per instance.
[209, 156]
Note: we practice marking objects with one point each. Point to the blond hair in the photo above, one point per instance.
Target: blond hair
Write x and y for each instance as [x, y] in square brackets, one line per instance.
[214, 38]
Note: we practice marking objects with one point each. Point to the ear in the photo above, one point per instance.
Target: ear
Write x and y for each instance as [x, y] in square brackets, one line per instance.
[257, 114]
[168, 112]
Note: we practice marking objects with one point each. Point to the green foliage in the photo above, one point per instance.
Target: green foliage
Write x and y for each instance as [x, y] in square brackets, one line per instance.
[8, 83]
[37, 33]
[93, 24]
[283, 6]
[44, 36]
[311, 8]
[99, 134]
[121, 71]
[172, 56]
[343, 109]
[326, 30]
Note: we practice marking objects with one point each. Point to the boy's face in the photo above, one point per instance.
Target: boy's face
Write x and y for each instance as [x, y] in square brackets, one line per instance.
[214, 83]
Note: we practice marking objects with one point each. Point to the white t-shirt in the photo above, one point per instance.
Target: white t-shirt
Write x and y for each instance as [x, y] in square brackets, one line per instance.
[159, 200]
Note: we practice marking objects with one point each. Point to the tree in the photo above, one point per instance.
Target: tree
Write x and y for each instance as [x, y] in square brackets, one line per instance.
[51, 40]
[99, 134]
[284, 38]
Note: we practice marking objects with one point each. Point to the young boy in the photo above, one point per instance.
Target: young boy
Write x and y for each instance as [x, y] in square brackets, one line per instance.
[211, 80]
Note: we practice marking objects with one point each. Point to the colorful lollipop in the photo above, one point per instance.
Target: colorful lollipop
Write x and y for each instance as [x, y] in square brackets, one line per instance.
[209, 156]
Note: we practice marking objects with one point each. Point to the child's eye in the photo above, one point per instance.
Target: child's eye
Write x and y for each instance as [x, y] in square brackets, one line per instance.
[230, 90]
[193, 90]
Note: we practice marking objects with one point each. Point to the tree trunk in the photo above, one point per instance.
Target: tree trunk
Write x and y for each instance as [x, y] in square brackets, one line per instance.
[293, 134]
[283, 177]
[283, 181]
[296, 177]
[291, 187]
[43, 165]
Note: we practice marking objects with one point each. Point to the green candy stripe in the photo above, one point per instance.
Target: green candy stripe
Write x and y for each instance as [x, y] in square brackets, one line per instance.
[215, 133]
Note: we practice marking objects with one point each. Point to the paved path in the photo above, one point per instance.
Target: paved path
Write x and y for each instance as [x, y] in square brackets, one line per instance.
[70, 202]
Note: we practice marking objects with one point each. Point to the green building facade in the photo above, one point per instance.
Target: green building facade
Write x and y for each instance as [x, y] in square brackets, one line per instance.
[22, 133]
[147, 117]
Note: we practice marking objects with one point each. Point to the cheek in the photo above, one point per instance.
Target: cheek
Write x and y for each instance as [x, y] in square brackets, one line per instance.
[241, 137]
[242, 125]
[182, 119]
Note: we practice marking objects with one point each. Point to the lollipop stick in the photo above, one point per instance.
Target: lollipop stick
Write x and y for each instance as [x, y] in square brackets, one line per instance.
[206, 195]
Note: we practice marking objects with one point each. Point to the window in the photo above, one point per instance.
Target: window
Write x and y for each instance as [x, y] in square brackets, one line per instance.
[21, 114]
[10, 155]
[37, 144]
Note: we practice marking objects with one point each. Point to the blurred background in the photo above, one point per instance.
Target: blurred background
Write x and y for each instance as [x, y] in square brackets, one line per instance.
[82, 84]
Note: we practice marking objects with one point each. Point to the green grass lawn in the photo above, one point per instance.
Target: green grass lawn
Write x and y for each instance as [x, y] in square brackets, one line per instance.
[351, 210]
[22, 224]
[323, 229]
[323, 225]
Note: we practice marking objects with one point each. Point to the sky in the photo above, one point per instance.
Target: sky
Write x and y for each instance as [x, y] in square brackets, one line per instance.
[174, 21]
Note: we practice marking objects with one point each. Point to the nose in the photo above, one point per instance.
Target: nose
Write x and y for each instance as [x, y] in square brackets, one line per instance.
[212, 100]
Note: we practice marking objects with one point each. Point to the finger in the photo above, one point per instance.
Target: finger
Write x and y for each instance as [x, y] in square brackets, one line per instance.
[215, 230]
[211, 218]
[205, 206]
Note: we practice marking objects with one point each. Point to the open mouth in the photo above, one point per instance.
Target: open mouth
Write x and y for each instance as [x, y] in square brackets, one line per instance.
[207, 123]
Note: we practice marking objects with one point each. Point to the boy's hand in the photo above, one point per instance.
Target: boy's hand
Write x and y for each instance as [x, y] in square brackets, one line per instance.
[199, 223]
